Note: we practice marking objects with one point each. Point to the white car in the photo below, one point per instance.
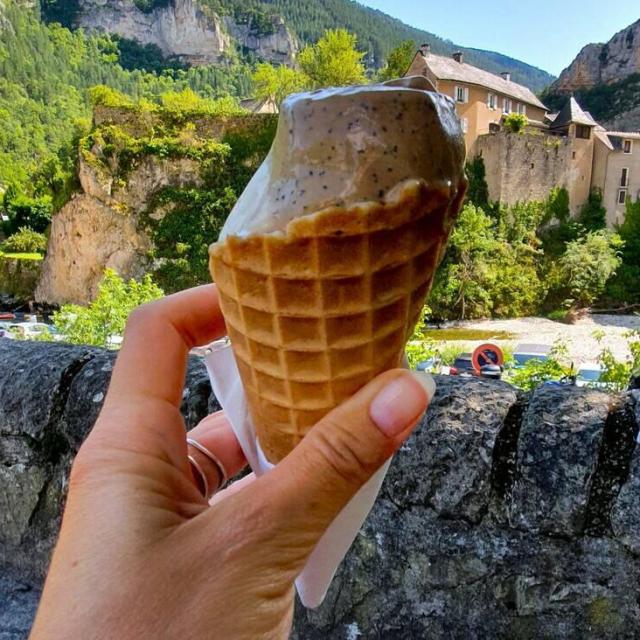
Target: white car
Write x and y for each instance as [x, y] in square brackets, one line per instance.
[589, 375]
[31, 330]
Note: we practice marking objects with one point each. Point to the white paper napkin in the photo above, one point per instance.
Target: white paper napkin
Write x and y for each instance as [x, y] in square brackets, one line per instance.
[312, 584]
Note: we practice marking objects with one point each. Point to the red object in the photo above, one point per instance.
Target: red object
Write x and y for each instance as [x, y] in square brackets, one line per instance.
[453, 371]
[487, 354]
[7, 316]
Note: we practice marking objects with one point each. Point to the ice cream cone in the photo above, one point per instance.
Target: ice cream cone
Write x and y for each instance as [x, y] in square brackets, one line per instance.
[318, 310]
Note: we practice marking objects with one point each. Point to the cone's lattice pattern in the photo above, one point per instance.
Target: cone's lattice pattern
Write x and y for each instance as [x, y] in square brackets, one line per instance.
[316, 313]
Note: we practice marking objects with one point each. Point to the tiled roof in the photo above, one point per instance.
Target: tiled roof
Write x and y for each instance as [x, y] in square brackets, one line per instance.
[629, 135]
[449, 69]
[572, 113]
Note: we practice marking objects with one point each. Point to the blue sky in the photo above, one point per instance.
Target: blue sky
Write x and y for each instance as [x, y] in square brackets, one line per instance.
[547, 34]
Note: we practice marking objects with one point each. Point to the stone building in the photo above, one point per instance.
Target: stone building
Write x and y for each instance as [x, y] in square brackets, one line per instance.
[482, 98]
[616, 170]
[568, 149]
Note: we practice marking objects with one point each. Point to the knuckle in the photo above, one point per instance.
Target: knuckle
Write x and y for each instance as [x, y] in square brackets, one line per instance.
[346, 454]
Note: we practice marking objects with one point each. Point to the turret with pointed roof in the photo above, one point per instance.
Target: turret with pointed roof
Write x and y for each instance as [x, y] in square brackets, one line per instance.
[572, 113]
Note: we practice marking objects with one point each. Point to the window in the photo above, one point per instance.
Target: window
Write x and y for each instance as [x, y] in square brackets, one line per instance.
[506, 105]
[521, 108]
[627, 146]
[583, 132]
[624, 177]
[464, 122]
[492, 100]
[461, 94]
[622, 196]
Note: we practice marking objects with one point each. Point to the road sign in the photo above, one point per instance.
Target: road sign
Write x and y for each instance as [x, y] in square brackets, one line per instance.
[487, 354]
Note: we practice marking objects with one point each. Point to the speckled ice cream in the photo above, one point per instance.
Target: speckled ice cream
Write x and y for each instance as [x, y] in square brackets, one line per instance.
[347, 145]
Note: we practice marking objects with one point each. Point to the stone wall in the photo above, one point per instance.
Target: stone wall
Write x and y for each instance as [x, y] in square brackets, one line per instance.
[524, 167]
[504, 516]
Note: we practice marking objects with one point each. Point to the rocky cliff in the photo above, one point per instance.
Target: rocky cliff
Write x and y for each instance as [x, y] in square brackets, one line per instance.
[187, 30]
[603, 63]
[133, 178]
[504, 516]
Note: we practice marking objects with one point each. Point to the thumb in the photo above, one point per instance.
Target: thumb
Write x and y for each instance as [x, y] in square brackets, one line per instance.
[308, 489]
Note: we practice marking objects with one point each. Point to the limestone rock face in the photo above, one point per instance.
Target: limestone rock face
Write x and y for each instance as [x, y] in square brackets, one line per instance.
[100, 228]
[503, 516]
[179, 29]
[603, 63]
[87, 237]
[186, 30]
[278, 46]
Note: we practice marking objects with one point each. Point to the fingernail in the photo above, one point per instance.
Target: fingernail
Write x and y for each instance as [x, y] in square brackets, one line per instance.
[398, 405]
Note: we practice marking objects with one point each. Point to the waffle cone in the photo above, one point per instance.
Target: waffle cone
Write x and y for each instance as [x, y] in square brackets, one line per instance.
[316, 312]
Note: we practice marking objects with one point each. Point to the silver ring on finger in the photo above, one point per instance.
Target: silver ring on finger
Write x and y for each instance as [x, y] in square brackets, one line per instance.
[223, 476]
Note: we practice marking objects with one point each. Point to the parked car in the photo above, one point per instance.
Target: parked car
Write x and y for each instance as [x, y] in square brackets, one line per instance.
[588, 374]
[31, 330]
[463, 366]
[526, 352]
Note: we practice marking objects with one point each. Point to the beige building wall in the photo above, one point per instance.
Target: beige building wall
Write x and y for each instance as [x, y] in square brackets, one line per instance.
[610, 175]
[475, 113]
[578, 181]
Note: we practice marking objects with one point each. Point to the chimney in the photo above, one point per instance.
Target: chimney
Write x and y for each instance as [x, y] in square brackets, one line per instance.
[458, 57]
[425, 48]
[506, 75]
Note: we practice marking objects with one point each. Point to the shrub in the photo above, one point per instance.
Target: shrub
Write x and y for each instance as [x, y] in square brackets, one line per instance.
[105, 317]
[25, 240]
[25, 211]
[593, 216]
[587, 265]
[515, 122]
[108, 97]
[478, 190]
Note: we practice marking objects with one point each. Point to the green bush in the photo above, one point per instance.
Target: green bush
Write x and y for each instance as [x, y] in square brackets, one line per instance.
[25, 211]
[587, 265]
[25, 240]
[105, 318]
[515, 122]
[623, 287]
[536, 372]
[593, 216]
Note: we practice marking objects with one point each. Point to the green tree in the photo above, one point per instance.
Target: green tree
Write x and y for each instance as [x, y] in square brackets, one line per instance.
[105, 318]
[24, 211]
[460, 285]
[25, 240]
[277, 82]
[333, 61]
[593, 215]
[478, 190]
[624, 287]
[398, 61]
[587, 265]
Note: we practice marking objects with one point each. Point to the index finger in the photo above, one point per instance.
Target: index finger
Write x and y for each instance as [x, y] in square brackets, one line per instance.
[157, 339]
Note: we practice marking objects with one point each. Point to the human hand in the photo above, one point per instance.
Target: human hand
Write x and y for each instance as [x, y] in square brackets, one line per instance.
[141, 553]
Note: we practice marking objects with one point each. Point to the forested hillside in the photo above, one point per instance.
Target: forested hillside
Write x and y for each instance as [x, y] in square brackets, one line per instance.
[377, 32]
[45, 71]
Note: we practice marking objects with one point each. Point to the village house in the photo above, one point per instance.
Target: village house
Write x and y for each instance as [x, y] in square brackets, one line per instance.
[482, 98]
[569, 149]
[616, 170]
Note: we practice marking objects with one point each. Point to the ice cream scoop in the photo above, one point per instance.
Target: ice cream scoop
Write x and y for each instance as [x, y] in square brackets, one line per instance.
[325, 262]
[350, 144]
